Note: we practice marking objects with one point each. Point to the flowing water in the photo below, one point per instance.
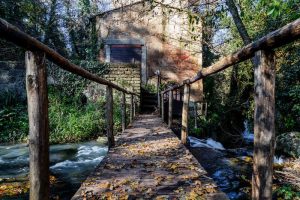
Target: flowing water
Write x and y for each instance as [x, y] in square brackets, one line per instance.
[70, 164]
[231, 169]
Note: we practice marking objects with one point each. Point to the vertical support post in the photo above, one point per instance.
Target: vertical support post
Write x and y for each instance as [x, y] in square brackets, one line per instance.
[158, 93]
[123, 110]
[37, 98]
[170, 115]
[109, 116]
[195, 115]
[134, 106]
[264, 126]
[185, 112]
[162, 107]
[131, 108]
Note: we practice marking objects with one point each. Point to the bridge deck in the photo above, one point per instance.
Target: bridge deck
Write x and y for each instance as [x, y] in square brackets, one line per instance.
[149, 162]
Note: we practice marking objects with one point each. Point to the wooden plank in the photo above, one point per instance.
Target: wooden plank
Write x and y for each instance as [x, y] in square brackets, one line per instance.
[14, 35]
[264, 126]
[149, 162]
[37, 98]
[109, 116]
[162, 107]
[170, 113]
[123, 111]
[185, 113]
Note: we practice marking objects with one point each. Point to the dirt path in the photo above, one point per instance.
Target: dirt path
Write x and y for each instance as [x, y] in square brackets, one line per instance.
[149, 162]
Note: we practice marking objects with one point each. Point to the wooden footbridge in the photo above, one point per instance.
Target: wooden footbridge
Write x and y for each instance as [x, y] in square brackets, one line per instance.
[147, 161]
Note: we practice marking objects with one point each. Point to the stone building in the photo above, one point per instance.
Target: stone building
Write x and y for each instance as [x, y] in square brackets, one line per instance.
[162, 35]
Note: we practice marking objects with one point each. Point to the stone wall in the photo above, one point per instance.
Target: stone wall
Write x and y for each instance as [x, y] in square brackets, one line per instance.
[127, 76]
[12, 79]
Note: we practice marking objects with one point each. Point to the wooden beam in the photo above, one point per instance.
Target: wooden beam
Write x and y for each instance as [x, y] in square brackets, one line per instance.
[131, 108]
[37, 98]
[185, 113]
[170, 113]
[264, 126]
[109, 116]
[162, 107]
[123, 111]
[14, 35]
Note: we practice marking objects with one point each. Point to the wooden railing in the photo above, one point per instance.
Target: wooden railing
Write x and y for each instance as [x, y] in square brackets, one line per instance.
[264, 116]
[37, 97]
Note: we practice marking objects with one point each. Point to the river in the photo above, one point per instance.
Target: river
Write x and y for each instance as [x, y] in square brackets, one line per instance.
[70, 164]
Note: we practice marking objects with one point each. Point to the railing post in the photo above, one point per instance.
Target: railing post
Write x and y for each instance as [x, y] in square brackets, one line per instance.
[162, 106]
[123, 111]
[37, 98]
[134, 106]
[264, 126]
[185, 112]
[158, 93]
[170, 115]
[131, 108]
[195, 115]
[109, 116]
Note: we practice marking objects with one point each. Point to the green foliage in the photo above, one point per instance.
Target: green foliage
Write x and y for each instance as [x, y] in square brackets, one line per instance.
[150, 88]
[13, 124]
[287, 192]
[70, 121]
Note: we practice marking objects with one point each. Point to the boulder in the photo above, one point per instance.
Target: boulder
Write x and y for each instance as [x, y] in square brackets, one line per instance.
[288, 144]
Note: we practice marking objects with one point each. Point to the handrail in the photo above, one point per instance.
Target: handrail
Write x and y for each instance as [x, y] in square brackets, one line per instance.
[264, 100]
[280, 37]
[16, 36]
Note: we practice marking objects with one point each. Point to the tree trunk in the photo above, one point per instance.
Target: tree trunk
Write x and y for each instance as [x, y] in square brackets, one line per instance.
[238, 21]
[264, 126]
[37, 97]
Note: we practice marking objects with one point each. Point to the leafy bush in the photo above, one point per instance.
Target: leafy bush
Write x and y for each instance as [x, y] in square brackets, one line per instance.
[70, 120]
[287, 192]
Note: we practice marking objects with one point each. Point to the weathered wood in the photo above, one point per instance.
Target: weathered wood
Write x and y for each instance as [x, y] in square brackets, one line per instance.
[131, 108]
[134, 106]
[109, 116]
[37, 98]
[195, 115]
[162, 106]
[158, 94]
[185, 113]
[170, 115]
[13, 34]
[123, 110]
[264, 126]
[149, 162]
